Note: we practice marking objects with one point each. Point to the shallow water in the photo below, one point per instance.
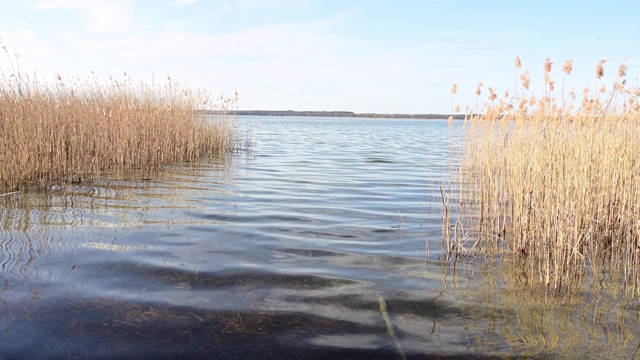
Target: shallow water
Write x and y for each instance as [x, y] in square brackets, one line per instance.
[323, 240]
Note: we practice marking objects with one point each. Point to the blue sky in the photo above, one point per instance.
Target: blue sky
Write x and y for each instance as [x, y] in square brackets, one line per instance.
[362, 56]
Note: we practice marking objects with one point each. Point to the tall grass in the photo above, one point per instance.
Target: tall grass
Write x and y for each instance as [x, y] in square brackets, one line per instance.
[77, 129]
[555, 182]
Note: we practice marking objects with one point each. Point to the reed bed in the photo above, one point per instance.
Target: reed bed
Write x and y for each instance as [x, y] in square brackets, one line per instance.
[80, 129]
[553, 184]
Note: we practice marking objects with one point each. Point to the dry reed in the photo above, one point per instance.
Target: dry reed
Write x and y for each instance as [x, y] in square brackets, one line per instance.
[75, 129]
[558, 187]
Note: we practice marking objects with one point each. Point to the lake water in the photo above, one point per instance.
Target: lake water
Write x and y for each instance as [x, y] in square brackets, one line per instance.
[323, 240]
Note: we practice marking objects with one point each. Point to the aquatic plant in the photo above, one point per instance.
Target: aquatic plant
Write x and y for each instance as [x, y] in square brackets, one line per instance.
[554, 184]
[78, 129]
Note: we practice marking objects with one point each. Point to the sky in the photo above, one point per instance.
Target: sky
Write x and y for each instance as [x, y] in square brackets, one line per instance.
[361, 55]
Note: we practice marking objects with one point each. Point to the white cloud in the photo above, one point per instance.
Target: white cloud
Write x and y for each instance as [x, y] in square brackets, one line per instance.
[99, 16]
[60, 4]
[184, 3]
[110, 17]
[290, 5]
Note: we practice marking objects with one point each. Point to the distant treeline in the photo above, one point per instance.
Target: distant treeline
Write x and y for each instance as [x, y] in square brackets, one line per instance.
[346, 114]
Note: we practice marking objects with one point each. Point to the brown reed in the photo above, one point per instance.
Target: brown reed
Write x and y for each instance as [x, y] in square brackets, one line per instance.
[78, 129]
[559, 186]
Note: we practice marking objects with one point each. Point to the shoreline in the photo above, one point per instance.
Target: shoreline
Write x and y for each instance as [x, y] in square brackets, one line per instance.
[342, 114]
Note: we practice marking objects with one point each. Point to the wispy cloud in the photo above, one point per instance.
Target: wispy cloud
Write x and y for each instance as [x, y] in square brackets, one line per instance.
[184, 3]
[287, 5]
[98, 16]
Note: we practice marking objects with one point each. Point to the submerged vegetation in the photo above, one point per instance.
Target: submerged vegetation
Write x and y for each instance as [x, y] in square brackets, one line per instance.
[552, 184]
[76, 129]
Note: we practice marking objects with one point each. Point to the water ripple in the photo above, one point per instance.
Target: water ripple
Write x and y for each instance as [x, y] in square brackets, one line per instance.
[284, 252]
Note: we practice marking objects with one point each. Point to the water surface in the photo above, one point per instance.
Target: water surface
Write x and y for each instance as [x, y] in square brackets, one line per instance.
[322, 241]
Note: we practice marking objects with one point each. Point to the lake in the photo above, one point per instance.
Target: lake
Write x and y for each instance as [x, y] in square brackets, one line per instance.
[322, 240]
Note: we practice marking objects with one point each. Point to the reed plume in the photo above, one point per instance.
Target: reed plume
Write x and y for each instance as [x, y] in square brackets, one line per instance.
[526, 79]
[547, 65]
[479, 89]
[600, 69]
[567, 67]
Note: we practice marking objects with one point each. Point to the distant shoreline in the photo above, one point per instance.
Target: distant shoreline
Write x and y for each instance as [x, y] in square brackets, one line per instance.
[344, 114]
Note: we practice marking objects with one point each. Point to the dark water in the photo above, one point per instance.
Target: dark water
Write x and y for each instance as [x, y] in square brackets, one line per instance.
[324, 241]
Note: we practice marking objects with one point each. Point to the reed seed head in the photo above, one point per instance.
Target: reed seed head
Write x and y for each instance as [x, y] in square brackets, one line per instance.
[600, 69]
[492, 94]
[567, 66]
[526, 79]
[622, 70]
[547, 65]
